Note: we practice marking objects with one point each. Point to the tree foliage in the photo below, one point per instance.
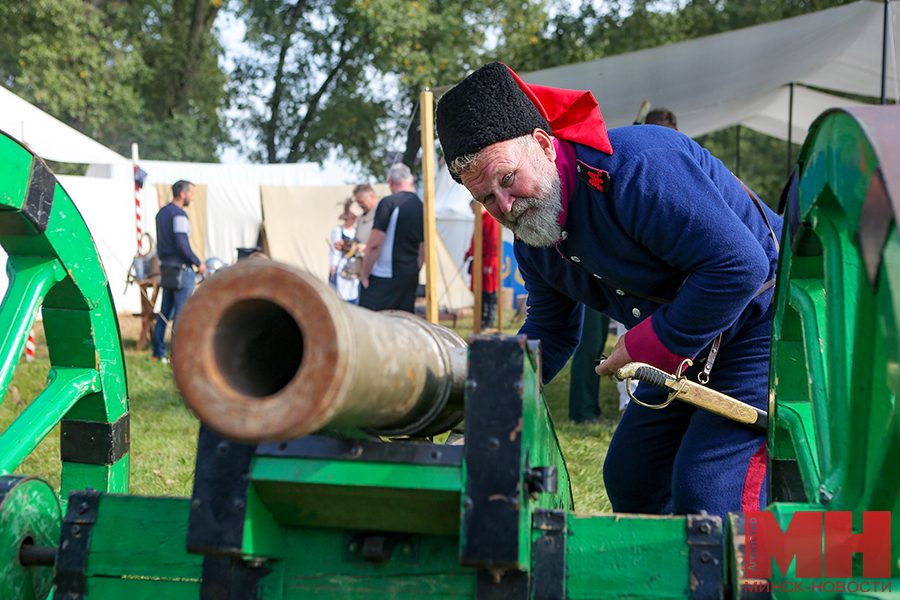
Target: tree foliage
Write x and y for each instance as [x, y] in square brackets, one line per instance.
[320, 76]
[121, 71]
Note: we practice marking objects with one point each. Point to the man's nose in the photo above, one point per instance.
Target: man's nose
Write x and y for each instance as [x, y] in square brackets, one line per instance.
[505, 201]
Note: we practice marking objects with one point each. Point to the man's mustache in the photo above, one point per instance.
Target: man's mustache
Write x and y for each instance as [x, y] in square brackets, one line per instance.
[518, 208]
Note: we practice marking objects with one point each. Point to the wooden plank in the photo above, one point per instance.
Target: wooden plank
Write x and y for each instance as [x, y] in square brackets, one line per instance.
[105, 588]
[142, 536]
[626, 556]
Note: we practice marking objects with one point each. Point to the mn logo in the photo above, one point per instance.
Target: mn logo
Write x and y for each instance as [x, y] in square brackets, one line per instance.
[818, 551]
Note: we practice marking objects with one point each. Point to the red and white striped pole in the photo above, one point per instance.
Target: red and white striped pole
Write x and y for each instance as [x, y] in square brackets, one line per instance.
[138, 211]
[29, 346]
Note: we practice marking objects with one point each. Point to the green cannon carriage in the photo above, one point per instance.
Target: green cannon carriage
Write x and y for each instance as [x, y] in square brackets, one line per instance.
[315, 476]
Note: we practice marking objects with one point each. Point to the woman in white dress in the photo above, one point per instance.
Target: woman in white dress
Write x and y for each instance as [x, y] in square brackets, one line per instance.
[347, 287]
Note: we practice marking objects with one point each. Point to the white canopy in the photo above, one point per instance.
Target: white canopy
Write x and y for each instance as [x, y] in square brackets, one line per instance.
[741, 77]
[164, 171]
[49, 138]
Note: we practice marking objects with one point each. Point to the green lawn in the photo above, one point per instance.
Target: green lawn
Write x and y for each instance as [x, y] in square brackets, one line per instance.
[164, 431]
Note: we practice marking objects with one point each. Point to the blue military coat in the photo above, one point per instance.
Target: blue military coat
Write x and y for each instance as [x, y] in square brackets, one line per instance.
[660, 236]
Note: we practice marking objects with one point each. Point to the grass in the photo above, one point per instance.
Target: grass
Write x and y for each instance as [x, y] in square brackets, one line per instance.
[164, 431]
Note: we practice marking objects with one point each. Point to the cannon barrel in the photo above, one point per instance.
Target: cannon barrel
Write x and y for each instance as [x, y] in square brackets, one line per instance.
[265, 352]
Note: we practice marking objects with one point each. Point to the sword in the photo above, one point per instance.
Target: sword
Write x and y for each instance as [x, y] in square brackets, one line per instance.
[680, 388]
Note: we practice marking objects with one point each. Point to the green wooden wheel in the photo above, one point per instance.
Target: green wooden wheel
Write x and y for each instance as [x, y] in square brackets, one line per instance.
[54, 266]
[835, 356]
[29, 516]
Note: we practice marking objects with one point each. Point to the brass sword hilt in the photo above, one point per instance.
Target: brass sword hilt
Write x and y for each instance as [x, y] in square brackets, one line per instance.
[680, 388]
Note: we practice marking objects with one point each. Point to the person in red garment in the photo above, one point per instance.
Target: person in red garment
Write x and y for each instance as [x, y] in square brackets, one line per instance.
[489, 276]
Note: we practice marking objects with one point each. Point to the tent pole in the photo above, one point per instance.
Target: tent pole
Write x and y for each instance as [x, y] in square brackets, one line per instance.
[499, 268]
[477, 268]
[884, 50]
[138, 211]
[790, 128]
[737, 152]
[426, 100]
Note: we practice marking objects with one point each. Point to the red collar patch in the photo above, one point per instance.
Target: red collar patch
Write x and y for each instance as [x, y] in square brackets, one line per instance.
[596, 178]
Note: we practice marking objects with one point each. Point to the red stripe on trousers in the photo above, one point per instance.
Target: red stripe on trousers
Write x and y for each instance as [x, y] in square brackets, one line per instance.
[756, 474]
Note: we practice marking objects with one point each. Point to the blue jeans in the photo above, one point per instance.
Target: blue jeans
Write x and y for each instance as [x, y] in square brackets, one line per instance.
[172, 301]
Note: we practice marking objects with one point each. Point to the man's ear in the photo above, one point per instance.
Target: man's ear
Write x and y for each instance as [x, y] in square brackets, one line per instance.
[545, 142]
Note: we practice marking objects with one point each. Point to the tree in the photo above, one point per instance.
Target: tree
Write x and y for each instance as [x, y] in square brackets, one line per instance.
[59, 55]
[121, 71]
[347, 75]
[183, 88]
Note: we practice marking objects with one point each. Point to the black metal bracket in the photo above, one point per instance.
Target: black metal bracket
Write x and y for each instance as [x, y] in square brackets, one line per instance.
[706, 556]
[785, 481]
[74, 544]
[380, 547]
[502, 585]
[549, 555]
[401, 452]
[494, 491]
[95, 442]
[231, 579]
[219, 501]
[542, 479]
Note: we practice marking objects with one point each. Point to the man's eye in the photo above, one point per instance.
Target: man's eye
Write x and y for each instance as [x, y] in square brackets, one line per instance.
[488, 200]
[507, 179]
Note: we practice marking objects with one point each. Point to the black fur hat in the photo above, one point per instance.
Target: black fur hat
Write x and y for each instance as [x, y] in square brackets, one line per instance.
[486, 107]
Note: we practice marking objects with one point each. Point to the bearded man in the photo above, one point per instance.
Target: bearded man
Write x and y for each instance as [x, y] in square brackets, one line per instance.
[644, 225]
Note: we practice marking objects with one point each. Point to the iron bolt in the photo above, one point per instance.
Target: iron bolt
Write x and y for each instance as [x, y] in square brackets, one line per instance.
[353, 547]
[222, 448]
[705, 528]
[436, 455]
[493, 443]
[82, 508]
[239, 503]
[356, 451]
[195, 503]
[471, 385]
[76, 530]
[705, 557]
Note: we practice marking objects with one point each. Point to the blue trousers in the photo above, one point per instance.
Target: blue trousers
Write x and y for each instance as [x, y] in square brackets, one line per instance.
[584, 383]
[172, 301]
[683, 459]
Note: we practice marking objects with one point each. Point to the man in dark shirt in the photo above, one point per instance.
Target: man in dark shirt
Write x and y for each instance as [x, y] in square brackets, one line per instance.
[395, 250]
[173, 229]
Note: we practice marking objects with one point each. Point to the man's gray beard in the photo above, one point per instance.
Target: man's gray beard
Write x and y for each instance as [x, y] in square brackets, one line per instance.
[540, 227]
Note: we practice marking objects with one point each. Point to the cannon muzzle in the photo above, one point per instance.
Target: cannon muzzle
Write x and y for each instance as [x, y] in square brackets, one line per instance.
[265, 352]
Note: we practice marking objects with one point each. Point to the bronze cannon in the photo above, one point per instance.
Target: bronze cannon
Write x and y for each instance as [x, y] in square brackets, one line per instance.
[266, 352]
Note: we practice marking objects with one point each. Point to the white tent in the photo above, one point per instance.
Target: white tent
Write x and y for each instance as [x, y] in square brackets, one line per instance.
[741, 77]
[107, 206]
[49, 138]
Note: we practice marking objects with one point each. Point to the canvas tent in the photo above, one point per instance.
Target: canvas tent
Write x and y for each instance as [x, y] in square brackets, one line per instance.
[741, 77]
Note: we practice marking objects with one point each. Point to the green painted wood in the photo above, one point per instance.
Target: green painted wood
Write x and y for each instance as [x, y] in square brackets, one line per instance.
[142, 536]
[81, 476]
[65, 387]
[58, 269]
[30, 278]
[844, 428]
[29, 511]
[362, 507]
[321, 564]
[263, 536]
[104, 588]
[626, 556]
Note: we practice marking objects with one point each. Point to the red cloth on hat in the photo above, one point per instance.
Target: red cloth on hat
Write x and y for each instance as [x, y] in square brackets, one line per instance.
[573, 115]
